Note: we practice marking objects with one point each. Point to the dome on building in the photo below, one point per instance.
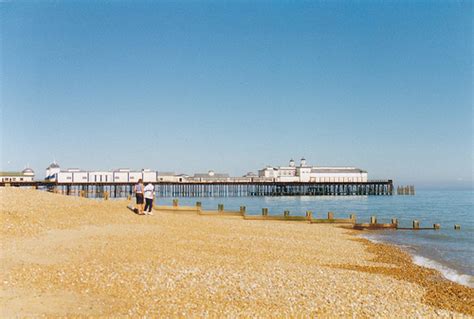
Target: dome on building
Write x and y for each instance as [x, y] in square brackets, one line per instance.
[53, 165]
[211, 173]
[250, 174]
[303, 161]
[28, 171]
[292, 163]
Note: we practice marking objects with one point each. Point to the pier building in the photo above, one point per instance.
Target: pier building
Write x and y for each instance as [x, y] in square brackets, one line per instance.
[172, 177]
[26, 175]
[291, 180]
[210, 176]
[54, 173]
[313, 174]
[302, 173]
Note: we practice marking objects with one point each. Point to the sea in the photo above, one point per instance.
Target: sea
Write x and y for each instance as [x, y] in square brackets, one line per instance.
[448, 250]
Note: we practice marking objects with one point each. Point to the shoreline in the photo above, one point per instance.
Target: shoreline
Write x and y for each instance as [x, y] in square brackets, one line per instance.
[448, 272]
[438, 288]
[71, 256]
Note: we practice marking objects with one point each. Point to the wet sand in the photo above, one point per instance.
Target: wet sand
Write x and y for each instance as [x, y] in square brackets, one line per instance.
[70, 256]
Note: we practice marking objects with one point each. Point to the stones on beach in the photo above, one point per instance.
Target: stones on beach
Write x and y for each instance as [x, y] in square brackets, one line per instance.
[114, 264]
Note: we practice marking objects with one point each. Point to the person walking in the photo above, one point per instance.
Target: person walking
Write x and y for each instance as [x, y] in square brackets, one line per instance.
[139, 195]
[149, 197]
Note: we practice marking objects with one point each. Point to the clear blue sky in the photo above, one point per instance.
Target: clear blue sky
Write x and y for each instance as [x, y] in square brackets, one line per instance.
[192, 86]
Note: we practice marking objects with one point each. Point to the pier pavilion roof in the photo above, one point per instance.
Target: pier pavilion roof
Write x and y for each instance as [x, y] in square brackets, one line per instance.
[214, 175]
[166, 173]
[11, 174]
[337, 170]
[53, 165]
[28, 171]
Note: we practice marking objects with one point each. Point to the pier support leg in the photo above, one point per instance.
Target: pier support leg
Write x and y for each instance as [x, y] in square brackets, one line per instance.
[416, 224]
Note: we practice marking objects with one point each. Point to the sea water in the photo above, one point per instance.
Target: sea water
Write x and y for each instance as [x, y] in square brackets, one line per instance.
[447, 250]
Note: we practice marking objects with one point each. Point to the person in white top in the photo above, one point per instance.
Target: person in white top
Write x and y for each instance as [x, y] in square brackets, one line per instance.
[149, 194]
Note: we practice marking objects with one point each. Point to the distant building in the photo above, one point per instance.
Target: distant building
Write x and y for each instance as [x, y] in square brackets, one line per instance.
[317, 174]
[122, 175]
[210, 176]
[250, 174]
[26, 175]
[171, 177]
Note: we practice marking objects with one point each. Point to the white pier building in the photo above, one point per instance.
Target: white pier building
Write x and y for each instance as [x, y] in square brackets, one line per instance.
[291, 173]
[122, 175]
[26, 175]
[314, 174]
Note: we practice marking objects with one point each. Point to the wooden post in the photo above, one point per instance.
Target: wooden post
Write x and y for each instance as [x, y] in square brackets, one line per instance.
[416, 224]
[309, 214]
[220, 207]
[243, 210]
[286, 213]
[373, 220]
[330, 215]
[395, 221]
[457, 227]
[436, 226]
[175, 203]
[106, 195]
[264, 211]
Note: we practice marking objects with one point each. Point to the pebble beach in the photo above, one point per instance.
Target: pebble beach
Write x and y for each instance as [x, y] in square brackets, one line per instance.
[77, 257]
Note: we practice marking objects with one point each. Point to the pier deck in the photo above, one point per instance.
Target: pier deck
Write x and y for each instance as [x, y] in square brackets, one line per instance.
[220, 189]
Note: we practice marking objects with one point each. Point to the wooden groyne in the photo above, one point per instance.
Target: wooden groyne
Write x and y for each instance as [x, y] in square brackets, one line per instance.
[373, 225]
[308, 217]
[265, 215]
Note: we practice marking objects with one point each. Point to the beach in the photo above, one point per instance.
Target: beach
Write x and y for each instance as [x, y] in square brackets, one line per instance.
[72, 256]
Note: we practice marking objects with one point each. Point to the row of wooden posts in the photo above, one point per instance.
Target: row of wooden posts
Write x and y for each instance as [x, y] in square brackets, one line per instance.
[394, 225]
[373, 225]
[406, 190]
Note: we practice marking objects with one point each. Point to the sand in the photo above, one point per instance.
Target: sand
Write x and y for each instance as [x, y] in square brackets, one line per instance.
[70, 256]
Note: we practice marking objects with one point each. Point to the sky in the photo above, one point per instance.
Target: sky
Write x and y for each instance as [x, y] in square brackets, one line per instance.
[234, 86]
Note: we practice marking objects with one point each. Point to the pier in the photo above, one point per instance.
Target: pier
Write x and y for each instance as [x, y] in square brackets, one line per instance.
[219, 189]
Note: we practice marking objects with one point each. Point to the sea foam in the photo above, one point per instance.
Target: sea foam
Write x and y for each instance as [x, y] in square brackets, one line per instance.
[447, 272]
